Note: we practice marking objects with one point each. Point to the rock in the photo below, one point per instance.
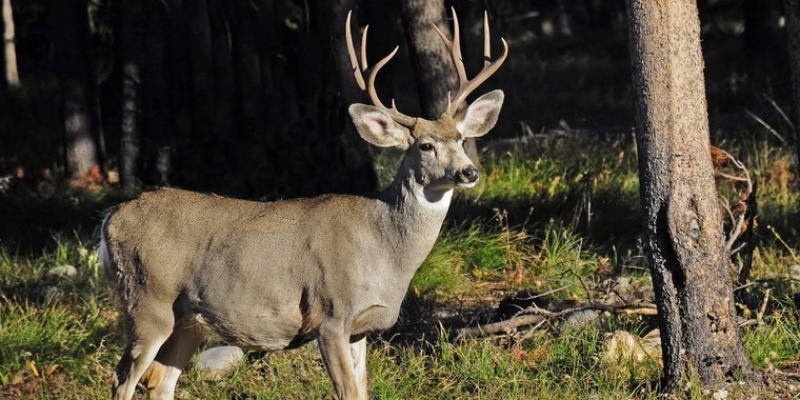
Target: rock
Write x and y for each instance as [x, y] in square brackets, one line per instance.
[623, 351]
[51, 293]
[63, 271]
[794, 272]
[218, 362]
[579, 320]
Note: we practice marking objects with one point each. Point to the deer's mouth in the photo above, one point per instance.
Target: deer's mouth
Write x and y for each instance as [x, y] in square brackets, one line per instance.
[466, 185]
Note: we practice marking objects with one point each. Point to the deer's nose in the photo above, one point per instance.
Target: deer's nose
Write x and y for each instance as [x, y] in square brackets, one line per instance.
[468, 174]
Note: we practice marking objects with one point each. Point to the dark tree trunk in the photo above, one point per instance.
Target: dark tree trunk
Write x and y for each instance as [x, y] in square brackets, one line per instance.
[200, 60]
[793, 33]
[185, 144]
[433, 67]
[131, 39]
[76, 72]
[762, 40]
[683, 228]
[157, 124]
[224, 124]
[247, 64]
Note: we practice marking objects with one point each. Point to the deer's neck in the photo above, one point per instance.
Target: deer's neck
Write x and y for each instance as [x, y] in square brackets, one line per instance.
[416, 211]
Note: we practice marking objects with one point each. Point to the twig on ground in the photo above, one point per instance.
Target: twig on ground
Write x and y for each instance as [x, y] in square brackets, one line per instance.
[763, 308]
[536, 315]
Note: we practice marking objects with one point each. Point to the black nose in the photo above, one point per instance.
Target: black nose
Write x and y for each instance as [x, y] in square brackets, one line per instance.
[469, 175]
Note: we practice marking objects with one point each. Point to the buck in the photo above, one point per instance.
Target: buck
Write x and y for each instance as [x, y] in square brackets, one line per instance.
[276, 275]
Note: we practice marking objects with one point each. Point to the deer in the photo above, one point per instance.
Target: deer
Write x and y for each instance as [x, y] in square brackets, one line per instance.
[267, 276]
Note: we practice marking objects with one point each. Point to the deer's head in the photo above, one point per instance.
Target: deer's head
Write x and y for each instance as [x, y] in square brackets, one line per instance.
[433, 149]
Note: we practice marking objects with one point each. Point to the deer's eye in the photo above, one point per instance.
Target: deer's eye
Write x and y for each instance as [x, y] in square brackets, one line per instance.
[426, 147]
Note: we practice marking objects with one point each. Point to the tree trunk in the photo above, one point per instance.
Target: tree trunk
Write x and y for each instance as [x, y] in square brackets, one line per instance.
[131, 60]
[793, 31]
[158, 126]
[76, 70]
[683, 228]
[762, 40]
[433, 67]
[224, 77]
[9, 62]
[200, 60]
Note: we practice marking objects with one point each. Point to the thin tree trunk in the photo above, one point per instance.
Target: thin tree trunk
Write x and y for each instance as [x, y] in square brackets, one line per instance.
[184, 149]
[157, 125]
[76, 70]
[793, 33]
[248, 70]
[200, 58]
[433, 67]
[224, 77]
[762, 40]
[683, 227]
[131, 58]
[11, 74]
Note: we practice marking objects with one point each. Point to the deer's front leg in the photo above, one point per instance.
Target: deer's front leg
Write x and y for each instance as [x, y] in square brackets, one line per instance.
[358, 351]
[334, 347]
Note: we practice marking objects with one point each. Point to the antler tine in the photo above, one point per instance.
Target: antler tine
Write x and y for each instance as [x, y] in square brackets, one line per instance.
[489, 68]
[351, 51]
[457, 58]
[454, 47]
[364, 64]
[373, 94]
[487, 47]
[369, 85]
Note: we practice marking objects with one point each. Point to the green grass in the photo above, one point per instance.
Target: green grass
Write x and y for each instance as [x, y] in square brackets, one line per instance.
[523, 228]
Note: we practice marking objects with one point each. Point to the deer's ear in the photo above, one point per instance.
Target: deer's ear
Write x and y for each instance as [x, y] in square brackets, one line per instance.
[377, 127]
[481, 115]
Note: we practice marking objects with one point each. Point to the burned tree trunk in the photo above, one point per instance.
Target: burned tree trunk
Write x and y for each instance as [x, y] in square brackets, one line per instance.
[683, 226]
[131, 59]
[76, 72]
[793, 33]
[433, 66]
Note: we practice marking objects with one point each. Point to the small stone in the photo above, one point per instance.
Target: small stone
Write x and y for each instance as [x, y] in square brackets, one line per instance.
[63, 271]
[217, 362]
[794, 272]
[721, 394]
[621, 350]
[51, 293]
[580, 320]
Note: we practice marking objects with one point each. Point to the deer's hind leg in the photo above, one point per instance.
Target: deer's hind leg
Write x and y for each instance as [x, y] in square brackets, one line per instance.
[162, 376]
[148, 328]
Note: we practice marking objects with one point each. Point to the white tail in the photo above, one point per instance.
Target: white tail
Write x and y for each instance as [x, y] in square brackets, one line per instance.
[273, 276]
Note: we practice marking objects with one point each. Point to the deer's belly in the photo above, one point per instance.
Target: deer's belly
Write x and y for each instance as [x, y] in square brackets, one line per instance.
[253, 327]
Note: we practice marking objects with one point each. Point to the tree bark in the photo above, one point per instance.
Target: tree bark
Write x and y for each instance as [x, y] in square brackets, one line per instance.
[9, 62]
[793, 33]
[158, 126]
[434, 70]
[682, 221]
[200, 56]
[762, 40]
[76, 70]
[131, 58]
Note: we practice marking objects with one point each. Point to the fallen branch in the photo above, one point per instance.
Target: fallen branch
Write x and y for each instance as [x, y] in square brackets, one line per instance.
[536, 315]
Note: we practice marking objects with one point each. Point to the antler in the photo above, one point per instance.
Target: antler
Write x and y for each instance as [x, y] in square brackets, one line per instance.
[369, 86]
[468, 86]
